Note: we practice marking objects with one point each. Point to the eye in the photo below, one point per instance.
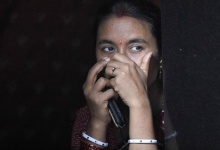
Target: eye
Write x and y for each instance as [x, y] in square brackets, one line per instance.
[136, 48]
[108, 49]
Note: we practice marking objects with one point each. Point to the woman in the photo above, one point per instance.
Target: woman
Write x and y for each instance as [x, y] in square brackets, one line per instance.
[128, 50]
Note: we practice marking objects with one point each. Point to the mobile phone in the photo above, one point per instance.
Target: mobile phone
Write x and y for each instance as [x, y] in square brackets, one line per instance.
[116, 114]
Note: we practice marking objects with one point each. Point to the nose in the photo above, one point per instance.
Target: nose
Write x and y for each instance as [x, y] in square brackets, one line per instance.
[122, 51]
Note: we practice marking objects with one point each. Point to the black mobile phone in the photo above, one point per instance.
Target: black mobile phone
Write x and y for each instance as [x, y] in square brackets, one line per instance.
[114, 110]
[116, 114]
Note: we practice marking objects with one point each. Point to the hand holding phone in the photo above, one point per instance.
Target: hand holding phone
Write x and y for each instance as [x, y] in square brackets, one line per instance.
[114, 110]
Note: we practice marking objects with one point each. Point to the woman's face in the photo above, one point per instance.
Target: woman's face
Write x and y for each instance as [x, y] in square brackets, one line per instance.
[128, 36]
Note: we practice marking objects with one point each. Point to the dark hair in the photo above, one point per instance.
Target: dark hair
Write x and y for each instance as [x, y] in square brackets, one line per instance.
[142, 10]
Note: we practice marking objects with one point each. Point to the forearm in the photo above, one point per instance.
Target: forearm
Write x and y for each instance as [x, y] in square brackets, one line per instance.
[141, 127]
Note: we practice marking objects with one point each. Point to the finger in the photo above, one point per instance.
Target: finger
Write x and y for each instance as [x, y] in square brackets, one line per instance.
[112, 71]
[95, 70]
[100, 84]
[113, 85]
[145, 62]
[121, 58]
[108, 94]
[121, 61]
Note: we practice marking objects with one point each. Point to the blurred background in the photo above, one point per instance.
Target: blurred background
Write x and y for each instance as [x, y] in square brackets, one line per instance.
[46, 49]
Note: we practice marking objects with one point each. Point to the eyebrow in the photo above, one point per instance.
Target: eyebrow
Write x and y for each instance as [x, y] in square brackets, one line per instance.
[136, 40]
[105, 41]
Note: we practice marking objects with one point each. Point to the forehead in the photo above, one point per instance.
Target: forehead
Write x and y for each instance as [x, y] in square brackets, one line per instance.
[123, 27]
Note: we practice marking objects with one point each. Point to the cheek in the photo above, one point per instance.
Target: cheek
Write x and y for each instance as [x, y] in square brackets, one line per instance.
[100, 55]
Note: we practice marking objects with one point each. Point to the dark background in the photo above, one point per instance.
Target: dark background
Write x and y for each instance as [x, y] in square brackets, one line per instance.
[191, 48]
[46, 49]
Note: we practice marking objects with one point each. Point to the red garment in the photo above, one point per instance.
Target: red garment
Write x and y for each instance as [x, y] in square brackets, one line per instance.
[81, 122]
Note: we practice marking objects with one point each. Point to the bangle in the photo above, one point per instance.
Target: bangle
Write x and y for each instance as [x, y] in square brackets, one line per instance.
[86, 146]
[142, 141]
[91, 139]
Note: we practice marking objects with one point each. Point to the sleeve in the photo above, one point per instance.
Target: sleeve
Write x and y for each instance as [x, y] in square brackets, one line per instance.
[79, 126]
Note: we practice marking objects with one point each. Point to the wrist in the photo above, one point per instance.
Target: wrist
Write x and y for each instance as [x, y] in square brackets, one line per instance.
[141, 123]
[94, 141]
[139, 102]
[97, 129]
[97, 122]
[139, 106]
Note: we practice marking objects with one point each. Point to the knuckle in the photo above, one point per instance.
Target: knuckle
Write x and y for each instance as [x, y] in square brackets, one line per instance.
[102, 80]
[123, 73]
[117, 81]
[85, 91]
